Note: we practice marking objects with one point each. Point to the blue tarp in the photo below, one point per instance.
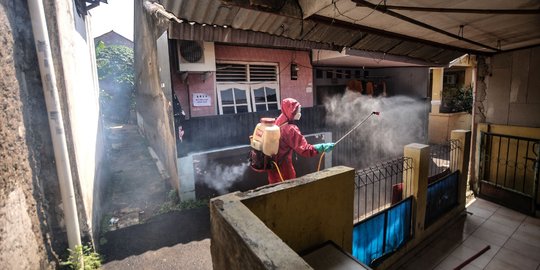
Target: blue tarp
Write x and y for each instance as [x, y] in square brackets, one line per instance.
[382, 233]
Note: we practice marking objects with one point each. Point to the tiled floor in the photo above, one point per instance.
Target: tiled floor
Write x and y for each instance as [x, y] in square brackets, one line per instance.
[513, 238]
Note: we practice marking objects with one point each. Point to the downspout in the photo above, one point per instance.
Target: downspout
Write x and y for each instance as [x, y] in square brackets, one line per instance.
[56, 124]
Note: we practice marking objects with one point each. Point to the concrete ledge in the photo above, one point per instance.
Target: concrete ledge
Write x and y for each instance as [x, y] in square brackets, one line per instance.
[267, 227]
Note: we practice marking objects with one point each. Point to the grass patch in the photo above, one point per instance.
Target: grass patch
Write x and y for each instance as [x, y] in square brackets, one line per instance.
[173, 203]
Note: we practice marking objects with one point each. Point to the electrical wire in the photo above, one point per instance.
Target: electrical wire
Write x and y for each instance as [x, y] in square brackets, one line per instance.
[353, 19]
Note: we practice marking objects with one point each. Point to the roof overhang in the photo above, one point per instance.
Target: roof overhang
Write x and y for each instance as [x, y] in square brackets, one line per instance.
[429, 31]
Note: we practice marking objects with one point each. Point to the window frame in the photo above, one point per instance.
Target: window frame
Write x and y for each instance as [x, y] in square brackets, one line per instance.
[234, 105]
[249, 85]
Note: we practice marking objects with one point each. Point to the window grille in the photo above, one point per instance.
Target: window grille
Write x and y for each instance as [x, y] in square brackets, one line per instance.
[247, 87]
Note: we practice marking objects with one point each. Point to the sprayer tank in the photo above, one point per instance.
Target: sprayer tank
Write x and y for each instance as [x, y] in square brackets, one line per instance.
[266, 137]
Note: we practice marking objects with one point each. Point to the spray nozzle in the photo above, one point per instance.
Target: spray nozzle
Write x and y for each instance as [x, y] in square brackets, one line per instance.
[376, 113]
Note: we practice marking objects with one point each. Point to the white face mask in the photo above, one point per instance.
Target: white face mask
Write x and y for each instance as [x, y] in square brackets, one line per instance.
[298, 114]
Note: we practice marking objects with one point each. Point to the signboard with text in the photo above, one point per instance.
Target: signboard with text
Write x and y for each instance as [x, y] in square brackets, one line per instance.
[201, 100]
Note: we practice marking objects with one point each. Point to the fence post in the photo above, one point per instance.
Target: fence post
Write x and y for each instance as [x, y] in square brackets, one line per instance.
[419, 153]
[460, 160]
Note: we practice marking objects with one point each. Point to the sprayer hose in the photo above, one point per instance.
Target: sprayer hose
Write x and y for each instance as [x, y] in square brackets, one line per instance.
[279, 172]
[320, 161]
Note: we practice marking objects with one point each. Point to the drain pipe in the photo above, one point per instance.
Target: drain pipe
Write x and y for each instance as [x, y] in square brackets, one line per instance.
[56, 124]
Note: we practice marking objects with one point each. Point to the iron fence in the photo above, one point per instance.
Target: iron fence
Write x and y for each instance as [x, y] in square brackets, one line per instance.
[442, 196]
[380, 186]
[443, 159]
[509, 170]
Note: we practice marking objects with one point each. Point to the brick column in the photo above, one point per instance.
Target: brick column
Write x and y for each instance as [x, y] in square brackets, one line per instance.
[461, 158]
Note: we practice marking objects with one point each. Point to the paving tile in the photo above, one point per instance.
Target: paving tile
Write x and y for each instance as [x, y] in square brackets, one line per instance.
[527, 238]
[497, 264]
[486, 205]
[480, 212]
[463, 252]
[490, 237]
[514, 215]
[471, 267]
[532, 221]
[498, 228]
[428, 258]
[477, 245]
[456, 233]
[517, 260]
[506, 220]
[445, 245]
[530, 228]
[449, 263]
[523, 248]
[472, 223]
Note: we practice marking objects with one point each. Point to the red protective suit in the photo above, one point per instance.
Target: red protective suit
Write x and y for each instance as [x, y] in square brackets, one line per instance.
[290, 140]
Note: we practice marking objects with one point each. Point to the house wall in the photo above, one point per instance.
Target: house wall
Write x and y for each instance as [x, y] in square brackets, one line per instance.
[79, 88]
[31, 224]
[153, 97]
[300, 89]
[27, 171]
[409, 81]
[113, 38]
[512, 95]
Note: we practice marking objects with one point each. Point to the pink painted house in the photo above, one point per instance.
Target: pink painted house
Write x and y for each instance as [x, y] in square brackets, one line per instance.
[238, 79]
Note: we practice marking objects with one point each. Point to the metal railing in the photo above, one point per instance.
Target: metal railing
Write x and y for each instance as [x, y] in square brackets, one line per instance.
[443, 158]
[509, 170]
[380, 186]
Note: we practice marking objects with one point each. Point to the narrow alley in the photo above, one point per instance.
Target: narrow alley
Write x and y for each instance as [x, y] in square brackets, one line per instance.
[139, 231]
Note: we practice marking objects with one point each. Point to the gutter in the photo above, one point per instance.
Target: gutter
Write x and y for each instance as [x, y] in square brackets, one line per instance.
[56, 122]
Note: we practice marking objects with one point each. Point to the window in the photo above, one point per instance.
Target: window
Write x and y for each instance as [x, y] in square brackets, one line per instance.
[264, 97]
[233, 99]
[247, 87]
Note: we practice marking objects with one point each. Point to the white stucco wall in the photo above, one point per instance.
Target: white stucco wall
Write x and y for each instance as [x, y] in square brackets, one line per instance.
[81, 86]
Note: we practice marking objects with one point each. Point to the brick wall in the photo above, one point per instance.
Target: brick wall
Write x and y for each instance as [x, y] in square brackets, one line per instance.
[300, 89]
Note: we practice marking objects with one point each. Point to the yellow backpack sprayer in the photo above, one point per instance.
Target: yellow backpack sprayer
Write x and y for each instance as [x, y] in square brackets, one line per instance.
[264, 145]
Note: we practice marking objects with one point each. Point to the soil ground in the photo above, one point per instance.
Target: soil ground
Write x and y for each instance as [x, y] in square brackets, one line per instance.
[134, 233]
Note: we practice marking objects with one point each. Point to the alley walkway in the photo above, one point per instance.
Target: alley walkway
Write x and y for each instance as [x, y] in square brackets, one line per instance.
[134, 233]
[513, 238]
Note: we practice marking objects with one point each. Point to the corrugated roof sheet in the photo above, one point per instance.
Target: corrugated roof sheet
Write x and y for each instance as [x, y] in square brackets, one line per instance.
[344, 24]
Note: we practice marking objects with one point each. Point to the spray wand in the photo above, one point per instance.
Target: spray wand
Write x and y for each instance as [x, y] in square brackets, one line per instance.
[357, 125]
[349, 132]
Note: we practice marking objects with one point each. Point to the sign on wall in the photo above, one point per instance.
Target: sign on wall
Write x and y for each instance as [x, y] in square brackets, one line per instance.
[201, 100]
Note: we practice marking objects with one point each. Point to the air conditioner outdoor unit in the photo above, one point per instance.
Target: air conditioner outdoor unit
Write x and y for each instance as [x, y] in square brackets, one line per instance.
[196, 56]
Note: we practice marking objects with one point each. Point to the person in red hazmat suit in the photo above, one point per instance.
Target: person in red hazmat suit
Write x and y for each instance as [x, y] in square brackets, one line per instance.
[292, 140]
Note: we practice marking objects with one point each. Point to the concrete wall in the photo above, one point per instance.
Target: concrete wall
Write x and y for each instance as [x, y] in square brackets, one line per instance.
[22, 168]
[410, 81]
[267, 227]
[442, 124]
[153, 97]
[513, 88]
[300, 89]
[79, 88]
[32, 229]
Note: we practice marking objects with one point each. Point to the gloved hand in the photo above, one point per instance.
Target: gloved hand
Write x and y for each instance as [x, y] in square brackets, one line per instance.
[324, 147]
